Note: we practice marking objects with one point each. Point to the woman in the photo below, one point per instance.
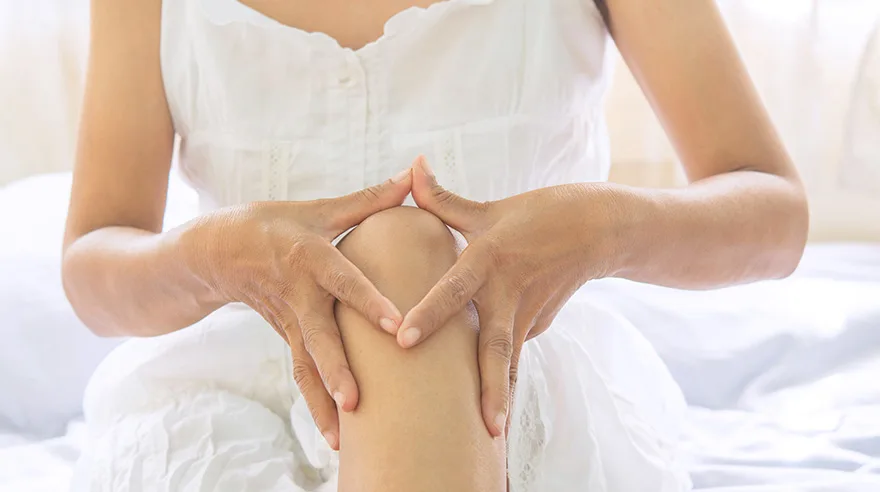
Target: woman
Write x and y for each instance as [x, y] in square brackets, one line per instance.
[285, 110]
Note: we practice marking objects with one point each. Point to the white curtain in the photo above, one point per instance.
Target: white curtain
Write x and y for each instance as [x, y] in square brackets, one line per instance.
[861, 147]
[42, 58]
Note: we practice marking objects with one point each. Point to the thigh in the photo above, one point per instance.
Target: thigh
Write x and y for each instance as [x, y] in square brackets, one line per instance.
[418, 424]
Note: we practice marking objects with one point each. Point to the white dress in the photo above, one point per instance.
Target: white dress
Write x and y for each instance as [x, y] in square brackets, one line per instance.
[502, 97]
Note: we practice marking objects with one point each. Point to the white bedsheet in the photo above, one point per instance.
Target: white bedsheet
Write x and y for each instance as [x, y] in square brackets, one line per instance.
[28, 465]
[783, 379]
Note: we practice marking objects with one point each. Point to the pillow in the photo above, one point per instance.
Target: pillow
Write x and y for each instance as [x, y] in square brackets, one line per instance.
[46, 354]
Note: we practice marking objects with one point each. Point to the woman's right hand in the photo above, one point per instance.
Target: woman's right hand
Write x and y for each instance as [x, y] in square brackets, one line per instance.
[277, 257]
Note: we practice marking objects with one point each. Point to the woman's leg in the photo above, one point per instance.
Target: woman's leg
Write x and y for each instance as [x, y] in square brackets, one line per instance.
[418, 425]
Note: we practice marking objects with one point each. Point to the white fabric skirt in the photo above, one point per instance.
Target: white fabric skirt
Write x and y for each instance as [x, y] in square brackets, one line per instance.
[214, 407]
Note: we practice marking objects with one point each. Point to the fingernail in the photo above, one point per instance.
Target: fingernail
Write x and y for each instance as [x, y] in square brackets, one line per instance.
[331, 439]
[411, 336]
[426, 167]
[340, 398]
[401, 176]
[500, 422]
[388, 325]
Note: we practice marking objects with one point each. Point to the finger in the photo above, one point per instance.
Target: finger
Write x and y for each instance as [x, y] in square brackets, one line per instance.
[547, 314]
[347, 211]
[321, 406]
[323, 343]
[514, 377]
[495, 355]
[344, 281]
[449, 296]
[464, 215]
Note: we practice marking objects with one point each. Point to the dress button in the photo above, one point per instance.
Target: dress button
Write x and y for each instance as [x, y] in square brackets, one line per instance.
[344, 80]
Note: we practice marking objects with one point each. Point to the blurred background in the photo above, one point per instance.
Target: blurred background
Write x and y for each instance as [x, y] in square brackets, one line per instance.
[816, 64]
[780, 376]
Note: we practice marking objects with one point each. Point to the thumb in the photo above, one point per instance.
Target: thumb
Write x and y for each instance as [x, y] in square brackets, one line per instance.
[350, 210]
[460, 213]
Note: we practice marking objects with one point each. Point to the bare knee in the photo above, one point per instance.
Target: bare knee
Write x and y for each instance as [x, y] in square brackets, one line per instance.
[401, 227]
[402, 251]
[418, 424]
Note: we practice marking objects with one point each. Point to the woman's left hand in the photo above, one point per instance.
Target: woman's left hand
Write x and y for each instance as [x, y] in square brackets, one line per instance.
[526, 256]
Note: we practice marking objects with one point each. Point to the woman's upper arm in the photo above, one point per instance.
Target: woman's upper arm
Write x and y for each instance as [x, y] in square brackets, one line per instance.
[685, 61]
[126, 136]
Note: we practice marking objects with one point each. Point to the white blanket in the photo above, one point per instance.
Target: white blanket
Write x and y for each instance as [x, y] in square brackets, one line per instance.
[781, 377]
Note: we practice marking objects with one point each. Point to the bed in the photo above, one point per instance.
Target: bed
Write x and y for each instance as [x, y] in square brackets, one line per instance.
[782, 377]
[34, 465]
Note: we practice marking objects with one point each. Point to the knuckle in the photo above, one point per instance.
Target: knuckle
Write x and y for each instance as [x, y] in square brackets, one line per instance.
[342, 284]
[320, 205]
[520, 282]
[511, 389]
[442, 195]
[494, 254]
[369, 307]
[281, 328]
[332, 213]
[514, 373]
[323, 210]
[311, 335]
[499, 347]
[286, 290]
[457, 286]
[299, 251]
[303, 375]
[371, 194]
[482, 208]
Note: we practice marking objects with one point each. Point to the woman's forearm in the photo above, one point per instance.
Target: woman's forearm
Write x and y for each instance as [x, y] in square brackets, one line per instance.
[726, 229]
[124, 281]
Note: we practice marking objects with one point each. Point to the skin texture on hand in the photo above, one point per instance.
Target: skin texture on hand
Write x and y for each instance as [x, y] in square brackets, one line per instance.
[526, 256]
[278, 258]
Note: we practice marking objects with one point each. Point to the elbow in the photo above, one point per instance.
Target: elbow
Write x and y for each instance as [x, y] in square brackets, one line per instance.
[796, 227]
[71, 275]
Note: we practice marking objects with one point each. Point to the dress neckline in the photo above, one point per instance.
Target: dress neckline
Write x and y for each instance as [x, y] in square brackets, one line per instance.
[233, 11]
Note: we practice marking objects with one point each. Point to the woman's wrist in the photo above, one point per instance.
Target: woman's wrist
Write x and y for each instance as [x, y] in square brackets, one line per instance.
[193, 246]
[614, 221]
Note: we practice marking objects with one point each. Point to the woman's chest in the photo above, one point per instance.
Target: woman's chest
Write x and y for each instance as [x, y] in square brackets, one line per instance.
[500, 95]
[296, 69]
[352, 23]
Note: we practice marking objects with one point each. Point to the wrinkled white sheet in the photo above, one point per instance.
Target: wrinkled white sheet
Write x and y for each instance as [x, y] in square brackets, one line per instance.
[783, 379]
[28, 465]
